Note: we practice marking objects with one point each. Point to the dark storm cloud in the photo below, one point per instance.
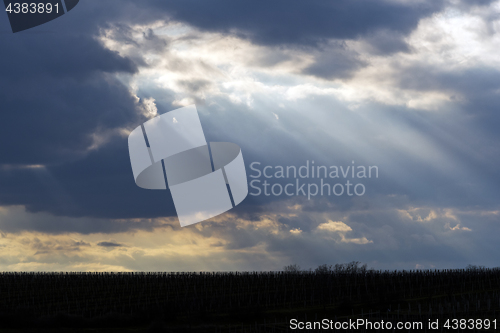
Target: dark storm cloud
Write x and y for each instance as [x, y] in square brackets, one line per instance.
[59, 56]
[469, 80]
[194, 86]
[46, 247]
[466, 4]
[335, 62]
[109, 244]
[55, 93]
[386, 41]
[58, 95]
[16, 220]
[99, 185]
[308, 23]
[298, 22]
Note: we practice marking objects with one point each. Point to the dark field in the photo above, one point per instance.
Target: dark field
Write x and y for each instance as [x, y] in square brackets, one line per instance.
[240, 302]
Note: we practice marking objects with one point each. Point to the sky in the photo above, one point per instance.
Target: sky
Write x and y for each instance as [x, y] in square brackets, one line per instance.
[411, 87]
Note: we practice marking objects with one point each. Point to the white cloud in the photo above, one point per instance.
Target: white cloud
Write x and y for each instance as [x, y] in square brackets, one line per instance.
[456, 228]
[149, 107]
[341, 228]
[336, 226]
